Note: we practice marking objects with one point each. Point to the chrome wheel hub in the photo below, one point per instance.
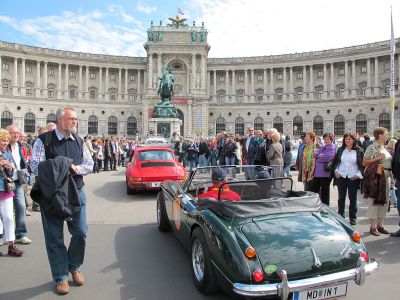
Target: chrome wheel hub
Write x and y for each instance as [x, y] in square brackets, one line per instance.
[198, 260]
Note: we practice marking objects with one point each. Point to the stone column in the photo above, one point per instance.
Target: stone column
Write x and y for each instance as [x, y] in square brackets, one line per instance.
[150, 73]
[22, 85]
[66, 82]
[38, 83]
[203, 72]
[119, 84]
[325, 83]
[284, 94]
[145, 115]
[346, 80]
[106, 85]
[368, 90]
[353, 78]
[1, 68]
[126, 85]
[227, 93]
[209, 83]
[159, 64]
[305, 87]
[87, 73]
[59, 82]
[45, 79]
[80, 89]
[100, 92]
[265, 84]
[138, 82]
[271, 72]
[215, 85]
[233, 93]
[332, 93]
[193, 81]
[189, 118]
[246, 88]
[376, 85]
[252, 91]
[291, 88]
[311, 91]
[15, 77]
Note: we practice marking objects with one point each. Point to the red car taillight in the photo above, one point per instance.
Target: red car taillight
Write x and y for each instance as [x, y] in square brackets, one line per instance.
[365, 256]
[258, 276]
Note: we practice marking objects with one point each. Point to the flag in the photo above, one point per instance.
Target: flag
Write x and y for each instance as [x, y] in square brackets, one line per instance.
[392, 72]
[180, 11]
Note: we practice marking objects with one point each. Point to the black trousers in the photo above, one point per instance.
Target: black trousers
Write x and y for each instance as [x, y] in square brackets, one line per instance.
[344, 185]
[321, 185]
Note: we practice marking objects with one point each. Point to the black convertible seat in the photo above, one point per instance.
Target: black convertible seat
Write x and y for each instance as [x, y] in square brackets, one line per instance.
[295, 202]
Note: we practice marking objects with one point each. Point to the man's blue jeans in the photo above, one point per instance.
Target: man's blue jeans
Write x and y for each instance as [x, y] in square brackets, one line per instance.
[203, 162]
[20, 210]
[63, 261]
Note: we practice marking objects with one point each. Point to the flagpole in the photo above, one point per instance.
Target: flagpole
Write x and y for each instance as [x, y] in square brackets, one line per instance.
[392, 75]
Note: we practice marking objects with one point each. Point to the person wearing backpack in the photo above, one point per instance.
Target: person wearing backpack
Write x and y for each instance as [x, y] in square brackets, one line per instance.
[63, 141]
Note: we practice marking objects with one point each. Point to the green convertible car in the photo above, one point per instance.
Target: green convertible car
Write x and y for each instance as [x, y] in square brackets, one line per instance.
[253, 236]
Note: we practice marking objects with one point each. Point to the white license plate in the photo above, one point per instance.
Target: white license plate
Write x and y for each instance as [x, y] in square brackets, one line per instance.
[154, 184]
[332, 291]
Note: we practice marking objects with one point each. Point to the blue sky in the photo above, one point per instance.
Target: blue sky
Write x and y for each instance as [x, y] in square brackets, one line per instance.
[236, 27]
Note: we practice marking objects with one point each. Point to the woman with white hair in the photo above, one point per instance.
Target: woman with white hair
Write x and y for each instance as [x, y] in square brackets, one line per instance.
[274, 155]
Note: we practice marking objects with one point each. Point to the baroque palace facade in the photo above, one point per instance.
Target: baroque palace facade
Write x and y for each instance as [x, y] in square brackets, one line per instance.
[335, 90]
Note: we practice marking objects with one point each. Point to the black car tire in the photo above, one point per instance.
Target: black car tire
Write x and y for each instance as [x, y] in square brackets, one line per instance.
[129, 191]
[208, 283]
[162, 217]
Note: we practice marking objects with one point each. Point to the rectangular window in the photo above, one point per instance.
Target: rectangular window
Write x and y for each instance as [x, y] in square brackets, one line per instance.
[260, 78]
[113, 77]
[5, 88]
[112, 96]
[279, 96]
[341, 72]
[279, 76]
[28, 91]
[50, 93]
[92, 95]
[51, 72]
[131, 97]
[221, 79]
[5, 67]
[221, 98]
[72, 74]
[260, 97]
[320, 74]
[387, 67]
[363, 69]
[241, 98]
[299, 96]
[28, 69]
[92, 75]
[240, 78]
[131, 77]
[71, 94]
[299, 75]
[320, 94]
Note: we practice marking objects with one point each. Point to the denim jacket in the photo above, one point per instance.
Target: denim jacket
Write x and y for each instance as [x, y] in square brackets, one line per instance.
[8, 157]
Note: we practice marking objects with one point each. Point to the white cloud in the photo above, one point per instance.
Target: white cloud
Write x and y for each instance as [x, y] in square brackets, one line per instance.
[93, 32]
[259, 27]
[140, 6]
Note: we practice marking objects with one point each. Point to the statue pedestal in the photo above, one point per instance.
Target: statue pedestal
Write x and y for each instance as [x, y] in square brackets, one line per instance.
[166, 127]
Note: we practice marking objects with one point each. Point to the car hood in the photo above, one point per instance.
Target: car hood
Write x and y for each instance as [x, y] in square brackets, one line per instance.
[303, 244]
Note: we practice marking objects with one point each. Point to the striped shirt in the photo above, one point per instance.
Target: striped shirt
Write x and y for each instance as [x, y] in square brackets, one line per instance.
[38, 155]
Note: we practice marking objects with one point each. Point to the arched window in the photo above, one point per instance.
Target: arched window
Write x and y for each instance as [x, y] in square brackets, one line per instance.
[338, 125]
[258, 123]
[361, 123]
[318, 125]
[220, 125]
[297, 125]
[239, 126]
[278, 124]
[93, 125]
[112, 125]
[29, 123]
[182, 118]
[51, 118]
[384, 121]
[6, 119]
[131, 126]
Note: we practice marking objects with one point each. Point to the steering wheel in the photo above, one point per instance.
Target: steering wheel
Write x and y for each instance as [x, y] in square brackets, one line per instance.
[204, 186]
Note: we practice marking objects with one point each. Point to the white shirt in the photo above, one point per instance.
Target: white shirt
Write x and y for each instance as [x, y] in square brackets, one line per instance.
[248, 142]
[348, 164]
[17, 160]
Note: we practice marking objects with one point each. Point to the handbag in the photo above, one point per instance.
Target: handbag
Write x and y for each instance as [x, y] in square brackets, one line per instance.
[328, 166]
[22, 176]
[9, 184]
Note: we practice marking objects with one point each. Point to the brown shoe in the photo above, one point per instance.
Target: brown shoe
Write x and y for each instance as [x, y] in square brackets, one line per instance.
[383, 230]
[62, 287]
[78, 278]
[374, 231]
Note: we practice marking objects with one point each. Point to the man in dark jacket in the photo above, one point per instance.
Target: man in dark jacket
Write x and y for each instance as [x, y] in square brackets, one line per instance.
[63, 141]
[396, 175]
[180, 150]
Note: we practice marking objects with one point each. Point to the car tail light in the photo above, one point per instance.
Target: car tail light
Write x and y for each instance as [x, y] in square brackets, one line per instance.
[356, 236]
[250, 252]
[258, 276]
[364, 255]
[181, 177]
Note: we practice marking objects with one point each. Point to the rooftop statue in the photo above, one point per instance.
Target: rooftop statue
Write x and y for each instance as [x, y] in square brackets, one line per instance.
[177, 21]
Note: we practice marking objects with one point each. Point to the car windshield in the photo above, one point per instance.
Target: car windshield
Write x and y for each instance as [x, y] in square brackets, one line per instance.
[155, 155]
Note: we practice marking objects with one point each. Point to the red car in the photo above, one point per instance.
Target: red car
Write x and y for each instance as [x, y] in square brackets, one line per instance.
[151, 165]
